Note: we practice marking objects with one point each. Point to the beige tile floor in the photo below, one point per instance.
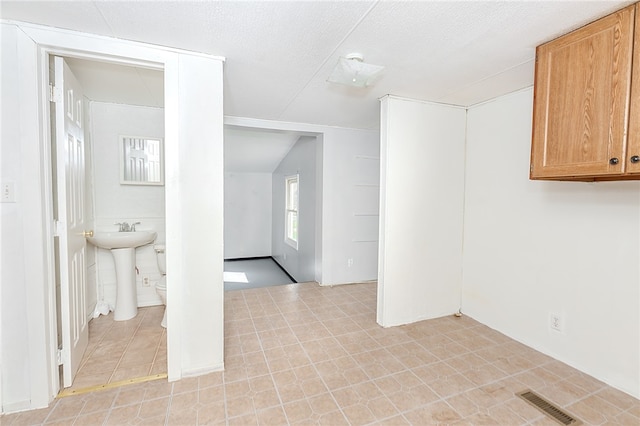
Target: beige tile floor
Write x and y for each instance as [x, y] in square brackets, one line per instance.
[120, 350]
[304, 354]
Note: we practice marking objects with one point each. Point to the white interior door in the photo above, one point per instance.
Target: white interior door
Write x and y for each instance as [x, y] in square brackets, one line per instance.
[70, 187]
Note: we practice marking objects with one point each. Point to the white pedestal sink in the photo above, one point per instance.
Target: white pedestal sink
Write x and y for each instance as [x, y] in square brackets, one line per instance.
[123, 248]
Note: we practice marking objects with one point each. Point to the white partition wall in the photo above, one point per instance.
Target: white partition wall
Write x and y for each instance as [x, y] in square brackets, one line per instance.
[195, 210]
[421, 204]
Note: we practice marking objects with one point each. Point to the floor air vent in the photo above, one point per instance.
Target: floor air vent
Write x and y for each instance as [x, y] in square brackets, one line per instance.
[548, 408]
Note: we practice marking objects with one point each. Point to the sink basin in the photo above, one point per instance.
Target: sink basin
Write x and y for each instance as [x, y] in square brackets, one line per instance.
[118, 240]
[122, 246]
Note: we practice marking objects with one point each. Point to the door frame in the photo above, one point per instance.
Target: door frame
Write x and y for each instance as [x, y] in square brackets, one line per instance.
[302, 129]
[193, 107]
[66, 44]
[45, 54]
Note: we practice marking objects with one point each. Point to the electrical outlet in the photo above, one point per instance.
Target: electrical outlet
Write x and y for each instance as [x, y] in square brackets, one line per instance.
[556, 322]
[8, 194]
[146, 282]
[349, 262]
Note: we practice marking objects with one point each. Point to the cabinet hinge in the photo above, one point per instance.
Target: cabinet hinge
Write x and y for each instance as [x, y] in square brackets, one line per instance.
[59, 357]
[55, 94]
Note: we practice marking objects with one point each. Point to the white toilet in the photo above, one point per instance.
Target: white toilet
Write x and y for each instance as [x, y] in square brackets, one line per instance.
[161, 287]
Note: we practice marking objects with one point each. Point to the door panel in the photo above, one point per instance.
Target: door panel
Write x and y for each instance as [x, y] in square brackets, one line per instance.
[71, 219]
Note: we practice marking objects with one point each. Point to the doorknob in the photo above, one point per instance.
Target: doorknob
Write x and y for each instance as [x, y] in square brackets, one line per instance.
[88, 234]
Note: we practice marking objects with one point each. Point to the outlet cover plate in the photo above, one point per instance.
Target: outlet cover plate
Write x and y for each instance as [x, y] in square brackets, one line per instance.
[556, 322]
[8, 194]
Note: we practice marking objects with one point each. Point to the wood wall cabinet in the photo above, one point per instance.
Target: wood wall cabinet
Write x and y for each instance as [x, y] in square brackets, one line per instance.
[586, 114]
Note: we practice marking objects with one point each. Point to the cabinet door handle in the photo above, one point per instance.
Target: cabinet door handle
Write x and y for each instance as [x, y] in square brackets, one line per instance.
[614, 161]
[635, 159]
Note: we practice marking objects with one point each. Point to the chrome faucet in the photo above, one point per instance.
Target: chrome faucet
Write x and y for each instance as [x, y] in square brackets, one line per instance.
[124, 226]
[133, 226]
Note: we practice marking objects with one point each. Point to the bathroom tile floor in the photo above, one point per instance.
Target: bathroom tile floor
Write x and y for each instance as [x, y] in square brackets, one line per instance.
[304, 354]
[120, 350]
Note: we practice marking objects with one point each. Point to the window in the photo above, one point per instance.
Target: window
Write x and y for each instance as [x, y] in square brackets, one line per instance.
[291, 211]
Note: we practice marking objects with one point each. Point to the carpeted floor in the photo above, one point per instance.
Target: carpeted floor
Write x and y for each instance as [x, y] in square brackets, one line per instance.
[253, 273]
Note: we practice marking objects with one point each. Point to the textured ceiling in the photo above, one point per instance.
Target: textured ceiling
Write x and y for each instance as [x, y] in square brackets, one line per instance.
[279, 54]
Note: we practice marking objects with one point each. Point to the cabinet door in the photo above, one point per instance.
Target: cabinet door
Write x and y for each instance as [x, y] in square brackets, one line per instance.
[633, 144]
[582, 89]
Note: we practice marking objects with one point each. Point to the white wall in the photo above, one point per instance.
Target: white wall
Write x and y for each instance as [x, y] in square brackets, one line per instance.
[349, 201]
[351, 194]
[113, 200]
[131, 203]
[535, 247]
[422, 187]
[301, 160]
[22, 260]
[247, 215]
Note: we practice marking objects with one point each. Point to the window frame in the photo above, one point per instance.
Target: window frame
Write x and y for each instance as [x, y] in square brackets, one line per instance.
[291, 209]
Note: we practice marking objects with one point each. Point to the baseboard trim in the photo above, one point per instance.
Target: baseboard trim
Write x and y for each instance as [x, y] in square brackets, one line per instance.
[236, 259]
[15, 407]
[349, 283]
[284, 270]
[144, 302]
[201, 371]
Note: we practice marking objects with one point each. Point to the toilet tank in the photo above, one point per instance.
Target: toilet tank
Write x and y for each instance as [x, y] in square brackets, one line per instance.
[161, 257]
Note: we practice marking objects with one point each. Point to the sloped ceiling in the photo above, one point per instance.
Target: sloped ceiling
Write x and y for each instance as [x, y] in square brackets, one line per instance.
[255, 150]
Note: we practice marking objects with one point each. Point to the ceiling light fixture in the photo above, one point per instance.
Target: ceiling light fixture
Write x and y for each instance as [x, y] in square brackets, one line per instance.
[352, 71]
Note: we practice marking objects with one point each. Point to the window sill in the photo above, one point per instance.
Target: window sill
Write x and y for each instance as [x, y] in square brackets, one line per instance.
[291, 243]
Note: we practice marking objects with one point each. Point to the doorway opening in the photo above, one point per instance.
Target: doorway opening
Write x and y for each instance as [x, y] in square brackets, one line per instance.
[108, 100]
[258, 207]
